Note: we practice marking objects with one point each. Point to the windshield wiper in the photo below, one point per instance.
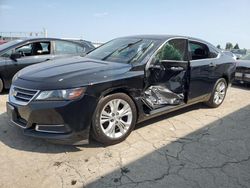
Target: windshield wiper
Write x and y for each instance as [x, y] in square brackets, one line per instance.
[121, 49]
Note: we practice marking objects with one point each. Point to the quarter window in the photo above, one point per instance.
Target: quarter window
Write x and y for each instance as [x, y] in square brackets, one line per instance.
[212, 52]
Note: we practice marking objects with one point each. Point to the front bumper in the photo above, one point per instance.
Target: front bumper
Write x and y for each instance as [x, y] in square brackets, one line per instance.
[242, 77]
[66, 122]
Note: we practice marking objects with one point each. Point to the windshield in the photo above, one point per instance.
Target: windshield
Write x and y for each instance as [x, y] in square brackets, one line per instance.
[123, 50]
[8, 44]
[246, 57]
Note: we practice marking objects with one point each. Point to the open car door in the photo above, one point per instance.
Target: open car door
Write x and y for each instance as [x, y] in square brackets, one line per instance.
[167, 75]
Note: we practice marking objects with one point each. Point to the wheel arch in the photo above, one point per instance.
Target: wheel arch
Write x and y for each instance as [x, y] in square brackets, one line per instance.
[3, 82]
[124, 90]
[226, 77]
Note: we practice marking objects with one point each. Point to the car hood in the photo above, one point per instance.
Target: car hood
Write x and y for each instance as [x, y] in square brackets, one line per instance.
[243, 63]
[73, 71]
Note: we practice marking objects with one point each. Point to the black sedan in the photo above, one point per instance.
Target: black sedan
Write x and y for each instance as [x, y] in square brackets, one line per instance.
[119, 84]
[18, 54]
[242, 74]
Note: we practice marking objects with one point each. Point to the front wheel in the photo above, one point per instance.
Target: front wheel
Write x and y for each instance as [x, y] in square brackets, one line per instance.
[114, 118]
[218, 94]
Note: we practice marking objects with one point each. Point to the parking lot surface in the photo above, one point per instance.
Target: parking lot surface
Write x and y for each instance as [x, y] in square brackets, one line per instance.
[193, 147]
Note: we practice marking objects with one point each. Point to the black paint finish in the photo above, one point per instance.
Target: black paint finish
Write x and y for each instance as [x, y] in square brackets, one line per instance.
[102, 78]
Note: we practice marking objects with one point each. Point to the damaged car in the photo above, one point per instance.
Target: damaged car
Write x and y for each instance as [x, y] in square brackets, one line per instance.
[123, 82]
[242, 73]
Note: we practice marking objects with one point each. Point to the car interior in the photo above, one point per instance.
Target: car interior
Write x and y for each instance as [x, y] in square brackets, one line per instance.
[198, 50]
[36, 48]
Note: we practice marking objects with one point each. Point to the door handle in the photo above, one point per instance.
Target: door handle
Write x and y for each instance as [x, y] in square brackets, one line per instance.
[212, 65]
[45, 60]
[176, 68]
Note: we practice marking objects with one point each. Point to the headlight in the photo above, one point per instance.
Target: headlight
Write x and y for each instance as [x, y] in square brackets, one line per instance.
[64, 94]
[15, 76]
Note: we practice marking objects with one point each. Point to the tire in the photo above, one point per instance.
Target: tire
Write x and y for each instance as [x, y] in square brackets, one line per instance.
[111, 124]
[218, 94]
[1, 85]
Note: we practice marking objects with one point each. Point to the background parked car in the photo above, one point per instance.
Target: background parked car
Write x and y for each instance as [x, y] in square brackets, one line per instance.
[242, 74]
[18, 54]
[230, 54]
[87, 44]
[2, 41]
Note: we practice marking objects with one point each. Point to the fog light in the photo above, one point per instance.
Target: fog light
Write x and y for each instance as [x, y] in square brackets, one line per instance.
[52, 128]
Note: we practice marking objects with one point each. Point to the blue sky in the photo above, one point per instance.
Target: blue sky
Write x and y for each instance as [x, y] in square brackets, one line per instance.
[101, 20]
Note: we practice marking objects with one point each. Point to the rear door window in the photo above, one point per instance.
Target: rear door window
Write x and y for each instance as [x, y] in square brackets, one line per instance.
[198, 50]
[64, 47]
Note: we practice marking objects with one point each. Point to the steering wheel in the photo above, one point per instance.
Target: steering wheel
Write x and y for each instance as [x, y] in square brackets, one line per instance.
[21, 53]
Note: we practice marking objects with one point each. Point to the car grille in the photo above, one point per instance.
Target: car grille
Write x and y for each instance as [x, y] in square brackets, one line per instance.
[21, 96]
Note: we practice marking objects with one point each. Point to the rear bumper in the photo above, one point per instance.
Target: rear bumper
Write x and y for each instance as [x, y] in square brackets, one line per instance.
[66, 122]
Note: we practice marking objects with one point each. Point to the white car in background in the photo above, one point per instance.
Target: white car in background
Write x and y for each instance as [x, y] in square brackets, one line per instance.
[230, 54]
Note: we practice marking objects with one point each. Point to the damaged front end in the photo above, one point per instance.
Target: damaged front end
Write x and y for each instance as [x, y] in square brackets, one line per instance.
[158, 96]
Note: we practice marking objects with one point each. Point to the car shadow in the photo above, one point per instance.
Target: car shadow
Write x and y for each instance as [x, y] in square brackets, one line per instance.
[171, 114]
[13, 137]
[216, 155]
[242, 86]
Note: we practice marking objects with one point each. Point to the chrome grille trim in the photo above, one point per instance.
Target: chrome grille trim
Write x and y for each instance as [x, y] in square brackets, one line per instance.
[21, 96]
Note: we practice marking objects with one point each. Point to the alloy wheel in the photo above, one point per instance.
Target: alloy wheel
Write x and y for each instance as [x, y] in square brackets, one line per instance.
[220, 93]
[116, 118]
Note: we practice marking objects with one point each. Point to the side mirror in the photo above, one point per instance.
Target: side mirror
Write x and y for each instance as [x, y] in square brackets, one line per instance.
[14, 56]
[83, 54]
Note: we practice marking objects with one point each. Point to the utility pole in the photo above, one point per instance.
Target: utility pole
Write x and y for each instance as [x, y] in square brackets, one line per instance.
[45, 32]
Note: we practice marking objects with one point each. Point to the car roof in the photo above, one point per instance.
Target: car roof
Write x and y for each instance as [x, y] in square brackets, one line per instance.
[44, 38]
[166, 37]
[23, 41]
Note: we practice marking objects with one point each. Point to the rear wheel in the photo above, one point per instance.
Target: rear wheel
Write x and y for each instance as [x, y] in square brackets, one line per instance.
[1, 85]
[114, 118]
[219, 93]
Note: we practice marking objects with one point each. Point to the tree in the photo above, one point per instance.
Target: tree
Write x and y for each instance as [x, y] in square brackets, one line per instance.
[218, 46]
[236, 46]
[229, 46]
[169, 52]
